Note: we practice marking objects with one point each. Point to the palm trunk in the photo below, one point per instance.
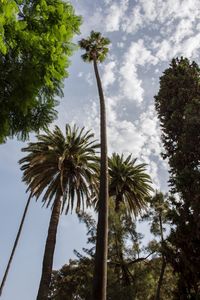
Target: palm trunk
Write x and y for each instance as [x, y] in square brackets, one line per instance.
[49, 252]
[15, 245]
[100, 270]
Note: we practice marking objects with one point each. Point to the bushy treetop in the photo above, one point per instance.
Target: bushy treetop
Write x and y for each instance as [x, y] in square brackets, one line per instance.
[35, 45]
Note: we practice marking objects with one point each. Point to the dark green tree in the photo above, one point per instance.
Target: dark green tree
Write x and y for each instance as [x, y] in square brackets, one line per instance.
[133, 276]
[96, 49]
[73, 280]
[63, 169]
[178, 107]
[35, 46]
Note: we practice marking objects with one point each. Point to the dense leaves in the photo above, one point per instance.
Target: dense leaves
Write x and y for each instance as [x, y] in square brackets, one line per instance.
[178, 107]
[35, 45]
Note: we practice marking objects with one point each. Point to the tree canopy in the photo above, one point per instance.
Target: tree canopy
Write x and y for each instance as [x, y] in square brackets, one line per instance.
[132, 273]
[35, 45]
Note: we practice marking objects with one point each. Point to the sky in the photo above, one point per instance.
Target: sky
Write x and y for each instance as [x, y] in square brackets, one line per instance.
[145, 35]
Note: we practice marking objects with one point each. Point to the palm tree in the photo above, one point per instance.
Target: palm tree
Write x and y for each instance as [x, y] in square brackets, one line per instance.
[96, 49]
[62, 169]
[129, 183]
[129, 186]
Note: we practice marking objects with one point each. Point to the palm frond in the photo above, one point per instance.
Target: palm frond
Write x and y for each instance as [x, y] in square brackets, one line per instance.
[129, 183]
[95, 46]
[65, 165]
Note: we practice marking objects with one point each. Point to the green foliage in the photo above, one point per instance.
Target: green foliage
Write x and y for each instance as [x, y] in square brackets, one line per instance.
[130, 276]
[71, 280]
[158, 213]
[178, 107]
[35, 45]
[95, 46]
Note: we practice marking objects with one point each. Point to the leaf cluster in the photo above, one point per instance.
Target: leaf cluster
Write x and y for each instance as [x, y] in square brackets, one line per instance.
[35, 46]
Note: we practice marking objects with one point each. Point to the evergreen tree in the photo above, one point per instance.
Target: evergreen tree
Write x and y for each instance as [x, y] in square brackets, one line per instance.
[178, 107]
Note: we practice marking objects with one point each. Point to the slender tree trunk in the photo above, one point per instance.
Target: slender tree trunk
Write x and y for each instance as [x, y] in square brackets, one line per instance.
[49, 252]
[15, 245]
[162, 271]
[100, 270]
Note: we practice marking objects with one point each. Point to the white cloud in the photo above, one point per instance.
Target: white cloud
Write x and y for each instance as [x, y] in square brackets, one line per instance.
[107, 1]
[114, 15]
[169, 10]
[130, 84]
[149, 9]
[95, 21]
[183, 30]
[89, 79]
[132, 22]
[108, 77]
[190, 47]
[164, 50]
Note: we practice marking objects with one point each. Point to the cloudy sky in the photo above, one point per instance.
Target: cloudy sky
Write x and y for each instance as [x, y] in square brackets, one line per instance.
[145, 35]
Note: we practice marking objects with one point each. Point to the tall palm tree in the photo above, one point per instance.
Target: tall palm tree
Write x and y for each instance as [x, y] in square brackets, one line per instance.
[63, 170]
[129, 183]
[96, 49]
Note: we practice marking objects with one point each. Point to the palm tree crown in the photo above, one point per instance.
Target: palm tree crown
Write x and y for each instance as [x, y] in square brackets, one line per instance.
[64, 165]
[128, 183]
[95, 46]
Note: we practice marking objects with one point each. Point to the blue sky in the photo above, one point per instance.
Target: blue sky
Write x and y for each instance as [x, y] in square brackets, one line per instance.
[145, 35]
